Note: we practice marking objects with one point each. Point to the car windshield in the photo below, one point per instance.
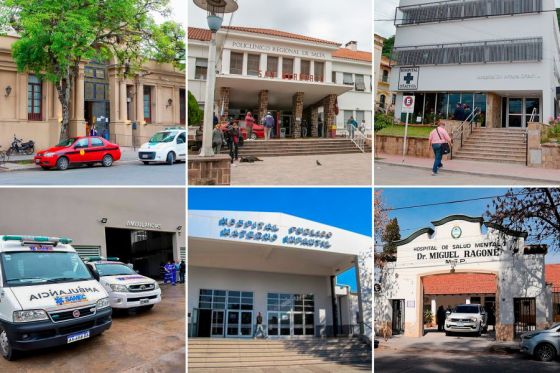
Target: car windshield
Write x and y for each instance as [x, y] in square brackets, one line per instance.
[32, 268]
[466, 309]
[67, 142]
[165, 136]
[114, 269]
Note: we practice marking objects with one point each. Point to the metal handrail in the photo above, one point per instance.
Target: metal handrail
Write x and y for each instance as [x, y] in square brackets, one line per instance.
[533, 114]
[356, 136]
[461, 129]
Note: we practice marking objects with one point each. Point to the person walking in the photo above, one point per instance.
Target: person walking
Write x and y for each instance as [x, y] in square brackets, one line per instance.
[459, 113]
[234, 134]
[249, 121]
[93, 131]
[351, 124]
[440, 318]
[215, 119]
[362, 126]
[441, 144]
[260, 328]
[182, 270]
[217, 139]
[169, 276]
[269, 125]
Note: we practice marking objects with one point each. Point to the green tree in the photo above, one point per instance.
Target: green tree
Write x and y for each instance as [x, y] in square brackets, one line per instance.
[195, 113]
[388, 46]
[57, 36]
[391, 234]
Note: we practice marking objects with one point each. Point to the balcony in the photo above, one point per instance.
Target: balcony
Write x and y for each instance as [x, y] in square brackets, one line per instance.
[496, 51]
[444, 11]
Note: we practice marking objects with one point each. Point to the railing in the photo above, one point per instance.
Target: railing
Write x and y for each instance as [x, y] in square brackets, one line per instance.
[357, 137]
[451, 10]
[531, 119]
[460, 131]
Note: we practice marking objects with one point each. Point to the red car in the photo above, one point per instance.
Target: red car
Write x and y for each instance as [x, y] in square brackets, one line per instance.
[79, 150]
[258, 131]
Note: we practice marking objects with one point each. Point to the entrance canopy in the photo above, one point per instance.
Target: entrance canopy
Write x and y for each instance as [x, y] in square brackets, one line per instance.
[245, 91]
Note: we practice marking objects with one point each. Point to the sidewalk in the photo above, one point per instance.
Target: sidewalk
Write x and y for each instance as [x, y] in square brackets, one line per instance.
[128, 154]
[494, 169]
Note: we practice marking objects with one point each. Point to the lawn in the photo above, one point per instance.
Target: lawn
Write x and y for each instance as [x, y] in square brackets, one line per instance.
[413, 131]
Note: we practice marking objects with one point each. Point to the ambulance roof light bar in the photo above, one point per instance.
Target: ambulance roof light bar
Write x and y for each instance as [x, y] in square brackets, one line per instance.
[37, 239]
[100, 258]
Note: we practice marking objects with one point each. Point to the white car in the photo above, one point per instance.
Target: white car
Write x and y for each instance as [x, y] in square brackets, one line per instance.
[467, 318]
[166, 146]
[127, 289]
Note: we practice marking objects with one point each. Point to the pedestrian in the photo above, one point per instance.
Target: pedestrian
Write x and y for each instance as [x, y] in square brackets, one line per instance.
[441, 144]
[93, 131]
[249, 121]
[440, 318]
[234, 134]
[182, 270]
[215, 119]
[269, 125]
[468, 111]
[362, 126]
[260, 328]
[169, 273]
[351, 125]
[177, 271]
[217, 139]
[304, 128]
[459, 113]
[227, 135]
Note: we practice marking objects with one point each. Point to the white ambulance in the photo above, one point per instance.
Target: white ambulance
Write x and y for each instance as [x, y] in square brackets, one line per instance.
[48, 297]
[167, 146]
[127, 289]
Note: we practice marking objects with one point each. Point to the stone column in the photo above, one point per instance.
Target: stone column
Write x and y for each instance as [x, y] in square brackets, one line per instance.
[77, 121]
[224, 102]
[263, 104]
[315, 121]
[297, 110]
[123, 117]
[330, 116]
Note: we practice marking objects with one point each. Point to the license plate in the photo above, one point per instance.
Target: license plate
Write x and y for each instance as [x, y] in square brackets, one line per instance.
[144, 155]
[77, 337]
[144, 301]
[460, 324]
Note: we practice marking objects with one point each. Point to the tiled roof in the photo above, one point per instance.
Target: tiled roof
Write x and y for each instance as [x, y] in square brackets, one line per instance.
[460, 283]
[552, 275]
[199, 34]
[271, 32]
[352, 55]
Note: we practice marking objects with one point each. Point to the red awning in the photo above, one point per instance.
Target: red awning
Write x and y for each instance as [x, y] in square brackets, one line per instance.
[460, 283]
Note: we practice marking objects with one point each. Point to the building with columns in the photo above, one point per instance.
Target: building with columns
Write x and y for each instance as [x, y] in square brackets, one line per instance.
[122, 110]
[301, 80]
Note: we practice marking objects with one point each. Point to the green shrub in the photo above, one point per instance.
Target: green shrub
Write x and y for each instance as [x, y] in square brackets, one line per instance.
[381, 121]
[195, 113]
[428, 317]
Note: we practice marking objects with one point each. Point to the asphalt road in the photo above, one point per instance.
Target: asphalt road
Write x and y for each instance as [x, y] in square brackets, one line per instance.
[121, 173]
[385, 174]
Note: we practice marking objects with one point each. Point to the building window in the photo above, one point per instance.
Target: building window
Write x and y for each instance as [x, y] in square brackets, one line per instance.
[148, 104]
[253, 64]
[305, 70]
[319, 71]
[385, 77]
[96, 142]
[360, 115]
[394, 99]
[34, 101]
[382, 101]
[348, 79]
[272, 67]
[201, 69]
[236, 63]
[287, 68]
[360, 84]
[347, 115]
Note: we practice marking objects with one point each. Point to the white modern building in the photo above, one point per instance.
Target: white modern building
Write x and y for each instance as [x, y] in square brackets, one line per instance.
[301, 80]
[462, 260]
[501, 56]
[285, 267]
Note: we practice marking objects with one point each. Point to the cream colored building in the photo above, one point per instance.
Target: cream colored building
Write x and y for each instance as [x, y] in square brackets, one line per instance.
[384, 98]
[122, 110]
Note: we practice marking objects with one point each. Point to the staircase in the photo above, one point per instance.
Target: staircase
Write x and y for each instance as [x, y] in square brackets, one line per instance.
[507, 145]
[288, 147]
[207, 354]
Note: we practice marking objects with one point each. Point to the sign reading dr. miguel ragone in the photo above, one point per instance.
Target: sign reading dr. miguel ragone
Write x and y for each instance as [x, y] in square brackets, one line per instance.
[459, 253]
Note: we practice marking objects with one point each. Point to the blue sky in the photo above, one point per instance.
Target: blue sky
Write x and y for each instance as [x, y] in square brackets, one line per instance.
[346, 208]
[412, 219]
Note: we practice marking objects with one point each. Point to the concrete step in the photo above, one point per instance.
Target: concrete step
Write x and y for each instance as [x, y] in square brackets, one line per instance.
[263, 364]
[488, 159]
[484, 150]
[496, 138]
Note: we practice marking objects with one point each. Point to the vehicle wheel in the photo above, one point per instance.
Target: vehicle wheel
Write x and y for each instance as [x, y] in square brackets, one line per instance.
[5, 346]
[170, 158]
[31, 150]
[545, 352]
[10, 151]
[107, 160]
[146, 162]
[62, 163]
[253, 136]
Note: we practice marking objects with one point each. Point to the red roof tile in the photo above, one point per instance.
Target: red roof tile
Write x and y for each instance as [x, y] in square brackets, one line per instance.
[460, 283]
[199, 34]
[552, 275]
[352, 55]
[283, 34]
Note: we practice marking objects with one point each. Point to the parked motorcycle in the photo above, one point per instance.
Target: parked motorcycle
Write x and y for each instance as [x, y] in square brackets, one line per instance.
[20, 147]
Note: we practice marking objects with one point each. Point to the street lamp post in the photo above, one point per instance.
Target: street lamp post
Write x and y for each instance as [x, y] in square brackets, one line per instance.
[216, 10]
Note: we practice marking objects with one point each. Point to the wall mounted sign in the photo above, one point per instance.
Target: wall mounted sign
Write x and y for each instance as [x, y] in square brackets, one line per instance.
[248, 230]
[308, 237]
[458, 253]
[408, 78]
[142, 225]
[264, 48]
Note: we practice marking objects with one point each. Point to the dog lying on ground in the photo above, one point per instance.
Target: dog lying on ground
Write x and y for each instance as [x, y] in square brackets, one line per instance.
[250, 159]
[386, 332]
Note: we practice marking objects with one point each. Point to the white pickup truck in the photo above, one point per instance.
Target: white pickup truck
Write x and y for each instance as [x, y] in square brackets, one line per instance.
[467, 318]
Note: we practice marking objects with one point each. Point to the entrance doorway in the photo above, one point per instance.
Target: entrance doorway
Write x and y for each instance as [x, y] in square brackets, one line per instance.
[239, 323]
[217, 325]
[204, 323]
[524, 314]
[229, 313]
[398, 316]
[96, 113]
[517, 112]
[146, 250]
[285, 124]
[291, 315]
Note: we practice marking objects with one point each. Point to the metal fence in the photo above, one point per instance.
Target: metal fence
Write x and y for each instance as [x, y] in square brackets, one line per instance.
[525, 315]
[461, 9]
[496, 51]
[556, 304]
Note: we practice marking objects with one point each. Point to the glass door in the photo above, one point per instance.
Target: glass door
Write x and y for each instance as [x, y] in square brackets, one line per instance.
[285, 323]
[273, 324]
[232, 327]
[246, 325]
[217, 326]
[239, 323]
[515, 113]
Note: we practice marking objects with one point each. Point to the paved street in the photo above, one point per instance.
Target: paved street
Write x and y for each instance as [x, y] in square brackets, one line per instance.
[152, 341]
[389, 174]
[455, 354]
[121, 173]
[335, 169]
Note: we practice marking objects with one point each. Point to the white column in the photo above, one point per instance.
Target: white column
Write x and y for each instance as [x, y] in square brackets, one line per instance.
[547, 105]
[263, 63]
[328, 72]
[280, 67]
[245, 61]
[226, 59]
[206, 150]
[297, 66]
[312, 69]
[468, 301]
[434, 307]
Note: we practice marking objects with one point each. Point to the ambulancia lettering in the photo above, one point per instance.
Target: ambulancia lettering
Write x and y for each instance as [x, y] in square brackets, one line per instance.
[62, 293]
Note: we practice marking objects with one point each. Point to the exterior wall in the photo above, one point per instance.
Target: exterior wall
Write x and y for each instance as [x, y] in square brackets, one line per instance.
[197, 49]
[377, 52]
[262, 283]
[165, 207]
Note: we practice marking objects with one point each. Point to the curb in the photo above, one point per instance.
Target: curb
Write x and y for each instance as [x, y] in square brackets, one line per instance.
[520, 178]
[34, 167]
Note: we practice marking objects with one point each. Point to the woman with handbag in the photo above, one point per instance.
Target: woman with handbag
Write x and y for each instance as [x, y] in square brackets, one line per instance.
[441, 144]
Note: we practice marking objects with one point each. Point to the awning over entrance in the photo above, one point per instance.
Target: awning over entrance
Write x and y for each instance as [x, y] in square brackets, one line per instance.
[245, 91]
[460, 283]
[265, 258]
